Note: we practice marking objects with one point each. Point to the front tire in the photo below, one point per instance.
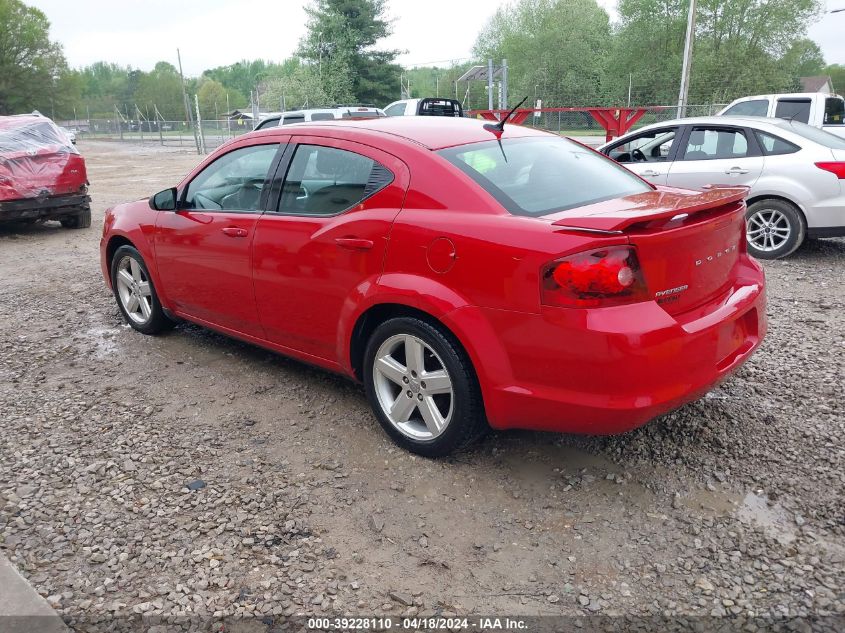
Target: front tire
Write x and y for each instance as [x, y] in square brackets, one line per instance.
[134, 292]
[422, 387]
[774, 228]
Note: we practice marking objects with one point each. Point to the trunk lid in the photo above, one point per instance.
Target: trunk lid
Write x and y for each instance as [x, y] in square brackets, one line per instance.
[687, 242]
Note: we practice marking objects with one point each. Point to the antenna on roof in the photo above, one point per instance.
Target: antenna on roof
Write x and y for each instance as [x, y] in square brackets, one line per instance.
[498, 128]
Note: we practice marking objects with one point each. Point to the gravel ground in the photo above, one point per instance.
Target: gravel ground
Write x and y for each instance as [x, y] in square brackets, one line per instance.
[190, 475]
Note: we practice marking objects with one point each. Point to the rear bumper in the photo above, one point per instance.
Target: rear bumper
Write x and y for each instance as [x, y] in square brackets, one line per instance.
[44, 208]
[606, 371]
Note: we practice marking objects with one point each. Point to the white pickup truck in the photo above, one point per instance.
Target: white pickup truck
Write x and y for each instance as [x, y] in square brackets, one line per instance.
[821, 110]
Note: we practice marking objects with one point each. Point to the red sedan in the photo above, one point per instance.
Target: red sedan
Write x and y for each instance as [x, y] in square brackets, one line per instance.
[467, 276]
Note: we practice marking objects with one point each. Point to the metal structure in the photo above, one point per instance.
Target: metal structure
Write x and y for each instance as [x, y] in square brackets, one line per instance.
[614, 121]
[684, 91]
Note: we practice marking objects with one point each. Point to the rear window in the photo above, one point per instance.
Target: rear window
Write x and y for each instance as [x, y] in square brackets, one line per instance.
[834, 111]
[755, 107]
[793, 109]
[816, 135]
[440, 107]
[538, 176]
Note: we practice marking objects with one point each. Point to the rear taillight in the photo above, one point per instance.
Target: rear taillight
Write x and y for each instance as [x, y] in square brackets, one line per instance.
[837, 168]
[603, 277]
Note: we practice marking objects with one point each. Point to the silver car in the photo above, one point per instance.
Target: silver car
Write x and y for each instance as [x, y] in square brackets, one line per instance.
[796, 172]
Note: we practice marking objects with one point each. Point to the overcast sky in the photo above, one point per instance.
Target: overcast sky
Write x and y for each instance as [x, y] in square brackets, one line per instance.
[219, 32]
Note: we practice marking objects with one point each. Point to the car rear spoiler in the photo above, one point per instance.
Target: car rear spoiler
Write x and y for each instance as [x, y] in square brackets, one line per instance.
[662, 204]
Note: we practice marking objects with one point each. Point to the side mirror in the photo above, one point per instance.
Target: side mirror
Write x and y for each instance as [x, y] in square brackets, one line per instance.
[164, 200]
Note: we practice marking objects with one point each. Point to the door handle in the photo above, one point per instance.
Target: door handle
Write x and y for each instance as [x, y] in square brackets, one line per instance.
[233, 231]
[736, 170]
[649, 173]
[354, 243]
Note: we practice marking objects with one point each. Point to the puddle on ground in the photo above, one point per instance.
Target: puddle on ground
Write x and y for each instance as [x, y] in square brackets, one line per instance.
[751, 509]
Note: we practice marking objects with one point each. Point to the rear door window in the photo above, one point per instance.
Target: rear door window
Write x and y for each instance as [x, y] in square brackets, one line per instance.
[322, 116]
[293, 118]
[327, 181]
[793, 109]
[706, 143]
[834, 111]
[755, 107]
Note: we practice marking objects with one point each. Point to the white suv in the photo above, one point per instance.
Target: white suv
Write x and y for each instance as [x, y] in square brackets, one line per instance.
[319, 114]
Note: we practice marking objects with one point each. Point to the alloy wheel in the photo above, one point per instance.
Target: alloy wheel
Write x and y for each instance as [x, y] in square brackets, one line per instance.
[134, 290]
[413, 387]
[768, 230]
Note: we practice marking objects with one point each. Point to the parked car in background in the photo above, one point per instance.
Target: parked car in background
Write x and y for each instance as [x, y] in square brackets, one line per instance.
[825, 111]
[42, 174]
[71, 134]
[320, 114]
[428, 106]
[796, 172]
[527, 282]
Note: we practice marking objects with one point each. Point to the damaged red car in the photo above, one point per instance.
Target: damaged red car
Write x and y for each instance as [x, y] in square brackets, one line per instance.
[42, 174]
[470, 277]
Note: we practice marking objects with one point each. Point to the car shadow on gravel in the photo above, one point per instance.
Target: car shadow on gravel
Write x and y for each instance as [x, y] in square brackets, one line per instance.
[14, 230]
[820, 250]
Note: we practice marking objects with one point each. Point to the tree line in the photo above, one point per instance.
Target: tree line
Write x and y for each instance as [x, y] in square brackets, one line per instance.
[566, 52]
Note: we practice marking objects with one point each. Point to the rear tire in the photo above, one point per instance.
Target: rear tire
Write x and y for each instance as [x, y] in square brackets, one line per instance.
[774, 228]
[134, 292]
[422, 387]
[81, 220]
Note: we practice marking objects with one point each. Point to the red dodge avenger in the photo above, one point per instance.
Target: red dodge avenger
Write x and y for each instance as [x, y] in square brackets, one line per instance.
[469, 276]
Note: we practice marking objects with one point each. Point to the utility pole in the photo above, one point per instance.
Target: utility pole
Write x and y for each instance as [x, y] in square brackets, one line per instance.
[684, 92]
[490, 84]
[504, 105]
[199, 123]
[630, 85]
[189, 118]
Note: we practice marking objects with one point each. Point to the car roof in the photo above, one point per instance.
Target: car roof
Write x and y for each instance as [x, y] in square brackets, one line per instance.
[760, 122]
[431, 132]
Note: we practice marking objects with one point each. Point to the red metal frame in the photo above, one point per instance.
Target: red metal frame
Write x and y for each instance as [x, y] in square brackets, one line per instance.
[615, 121]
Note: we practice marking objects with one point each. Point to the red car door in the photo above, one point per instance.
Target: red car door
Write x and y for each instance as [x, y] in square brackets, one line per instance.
[202, 250]
[325, 238]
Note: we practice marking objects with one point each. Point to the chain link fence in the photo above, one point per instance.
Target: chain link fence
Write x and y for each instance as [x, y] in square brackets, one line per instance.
[212, 133]
[583, 123]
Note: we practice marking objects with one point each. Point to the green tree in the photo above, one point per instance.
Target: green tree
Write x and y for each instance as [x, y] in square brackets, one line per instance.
[212, 98]
[556, 49]
[160, 88]
[31, 66]
[741, 47]
[837, 76]
[340, 43]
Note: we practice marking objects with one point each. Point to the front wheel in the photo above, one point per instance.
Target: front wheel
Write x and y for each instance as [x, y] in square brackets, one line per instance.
[774, 228]
[422, 387]
[134, 291]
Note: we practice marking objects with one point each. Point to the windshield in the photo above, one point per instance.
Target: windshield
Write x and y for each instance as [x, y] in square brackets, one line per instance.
[815, 134]
[538, 176]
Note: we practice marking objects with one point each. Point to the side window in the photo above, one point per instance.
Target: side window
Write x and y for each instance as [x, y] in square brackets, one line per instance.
[322, 116]
[793, 109]
[653, 146]
[293, 118]
[233, 182]
[755, 107]
[834, 111]
[774, 146]
[715, 143]
[327, 181]
[397, 109]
